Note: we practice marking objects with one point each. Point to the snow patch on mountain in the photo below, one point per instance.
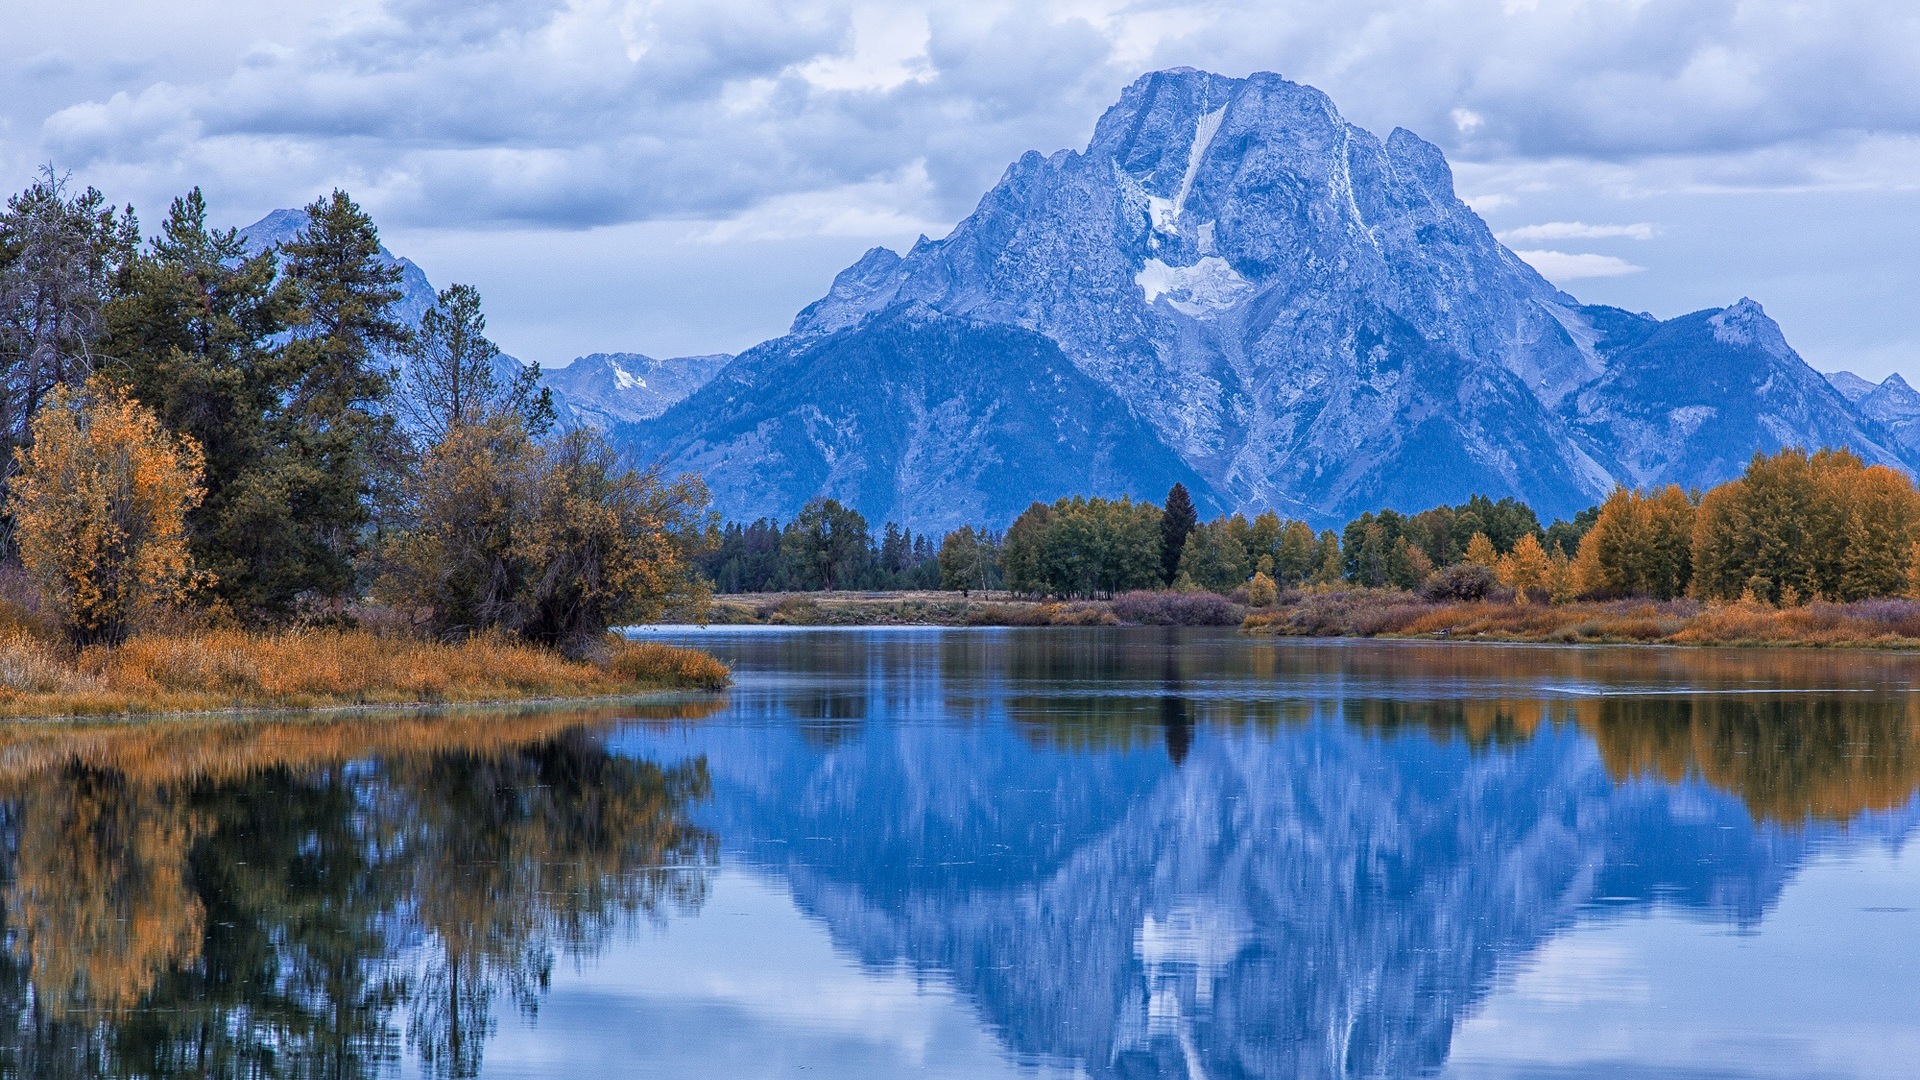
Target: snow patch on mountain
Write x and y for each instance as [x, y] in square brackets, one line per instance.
[1206, 288]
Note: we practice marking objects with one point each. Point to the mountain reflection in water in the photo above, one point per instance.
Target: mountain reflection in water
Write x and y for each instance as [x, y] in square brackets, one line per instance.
[1108, 852]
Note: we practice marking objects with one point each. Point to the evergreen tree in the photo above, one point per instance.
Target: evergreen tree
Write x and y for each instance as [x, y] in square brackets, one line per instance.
[450, 381]
[338, 443]
[827, 546]
[61, 257]
[192, 335]
[1176, 524]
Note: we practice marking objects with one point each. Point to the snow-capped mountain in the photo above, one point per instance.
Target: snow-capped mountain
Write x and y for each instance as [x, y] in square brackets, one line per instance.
[1306, 316]
[595, 390]
[601, 389]
[1893, 404]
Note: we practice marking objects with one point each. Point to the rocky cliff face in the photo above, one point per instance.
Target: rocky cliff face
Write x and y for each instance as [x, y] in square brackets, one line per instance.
[913, 416]
[1312, 321]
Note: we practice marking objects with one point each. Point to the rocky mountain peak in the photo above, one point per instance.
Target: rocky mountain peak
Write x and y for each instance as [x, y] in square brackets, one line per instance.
[1303, 314]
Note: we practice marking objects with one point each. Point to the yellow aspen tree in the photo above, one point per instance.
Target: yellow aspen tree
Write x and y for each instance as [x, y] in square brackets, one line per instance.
[1261, 591]
[99, 509]
[1563, 584]
[1913, 572]
[1527, 570]
[1480, 552]
[1882, 511]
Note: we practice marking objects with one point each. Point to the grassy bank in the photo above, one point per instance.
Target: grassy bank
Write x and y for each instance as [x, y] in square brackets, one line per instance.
[899, 609]
[1359, 613]
[304, 669]
[1390, 613]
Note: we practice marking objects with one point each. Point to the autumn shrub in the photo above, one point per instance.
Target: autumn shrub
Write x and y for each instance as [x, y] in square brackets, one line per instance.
[667, 665]
[1176, 609]
[1461, 581]
[308, 668]
[553, 542]
[99, 510]
[1261, 591]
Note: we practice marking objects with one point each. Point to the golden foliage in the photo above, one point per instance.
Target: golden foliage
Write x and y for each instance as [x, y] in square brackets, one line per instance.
[1526, 570]
[99, 510]
[1796, 528]
[223, 669]
[1261, 591]
[99, 902]
[1641, 545]
[553, 542]
[1480, 552]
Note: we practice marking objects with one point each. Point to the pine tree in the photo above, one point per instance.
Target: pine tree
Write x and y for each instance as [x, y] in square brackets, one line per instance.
[450, 380]
[192, 336]
[60, 258]
[337, 439]
[1177, 522]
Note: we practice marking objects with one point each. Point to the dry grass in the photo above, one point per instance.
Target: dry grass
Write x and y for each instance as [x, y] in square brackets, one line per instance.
[898, 609]
[1390, 613]
[228, 669]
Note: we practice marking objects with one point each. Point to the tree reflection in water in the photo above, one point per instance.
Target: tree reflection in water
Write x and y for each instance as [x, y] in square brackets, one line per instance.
[314, 898]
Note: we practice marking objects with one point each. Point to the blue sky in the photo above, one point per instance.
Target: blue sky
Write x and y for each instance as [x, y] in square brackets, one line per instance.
[674, 176]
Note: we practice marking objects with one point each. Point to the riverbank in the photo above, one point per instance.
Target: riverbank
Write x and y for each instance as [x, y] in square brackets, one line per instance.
[1363, 613]
[225, 670]
[952, 609]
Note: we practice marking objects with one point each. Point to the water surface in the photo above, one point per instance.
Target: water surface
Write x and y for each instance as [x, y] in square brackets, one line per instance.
[975, 853]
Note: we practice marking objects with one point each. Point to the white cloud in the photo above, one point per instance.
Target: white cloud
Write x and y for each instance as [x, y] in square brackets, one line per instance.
[1560, 266]
[1577, 230]
[756, 121]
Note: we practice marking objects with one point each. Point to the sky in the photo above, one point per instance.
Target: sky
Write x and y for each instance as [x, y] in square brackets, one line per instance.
[681, 176]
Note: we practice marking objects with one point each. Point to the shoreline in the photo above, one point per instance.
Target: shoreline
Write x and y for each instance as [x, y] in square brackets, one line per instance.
[1889, 625]
[348, 710]
[237, 673]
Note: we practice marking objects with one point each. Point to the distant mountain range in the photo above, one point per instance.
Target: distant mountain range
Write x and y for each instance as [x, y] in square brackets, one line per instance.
[597, 390]
[1235, 288]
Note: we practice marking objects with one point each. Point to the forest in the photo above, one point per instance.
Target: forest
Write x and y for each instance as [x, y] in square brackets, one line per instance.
[1794, 528]
[199, 435]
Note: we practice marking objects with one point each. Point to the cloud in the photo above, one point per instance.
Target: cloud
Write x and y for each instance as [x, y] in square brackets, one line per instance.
[573, 114]
[1560, 267]
[1577, 230]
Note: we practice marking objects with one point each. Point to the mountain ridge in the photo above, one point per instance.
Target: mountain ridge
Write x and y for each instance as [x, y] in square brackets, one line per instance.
[1311, 319]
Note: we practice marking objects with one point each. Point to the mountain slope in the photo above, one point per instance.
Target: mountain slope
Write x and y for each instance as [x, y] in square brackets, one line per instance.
[602, 389]
[1690, 400]
[915, 417]
[1313, 321]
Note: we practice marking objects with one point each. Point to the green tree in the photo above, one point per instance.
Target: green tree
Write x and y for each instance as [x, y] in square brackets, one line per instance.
[1020, 553]
[963, 561]
[61, 257]
[1294, 562]
[191, 334]
[337, 440]
[449, 380]
[1176, 524]
[827, 545]
[1216, 557]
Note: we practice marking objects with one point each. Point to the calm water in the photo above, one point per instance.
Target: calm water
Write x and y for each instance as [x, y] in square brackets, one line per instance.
[1124, 853]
